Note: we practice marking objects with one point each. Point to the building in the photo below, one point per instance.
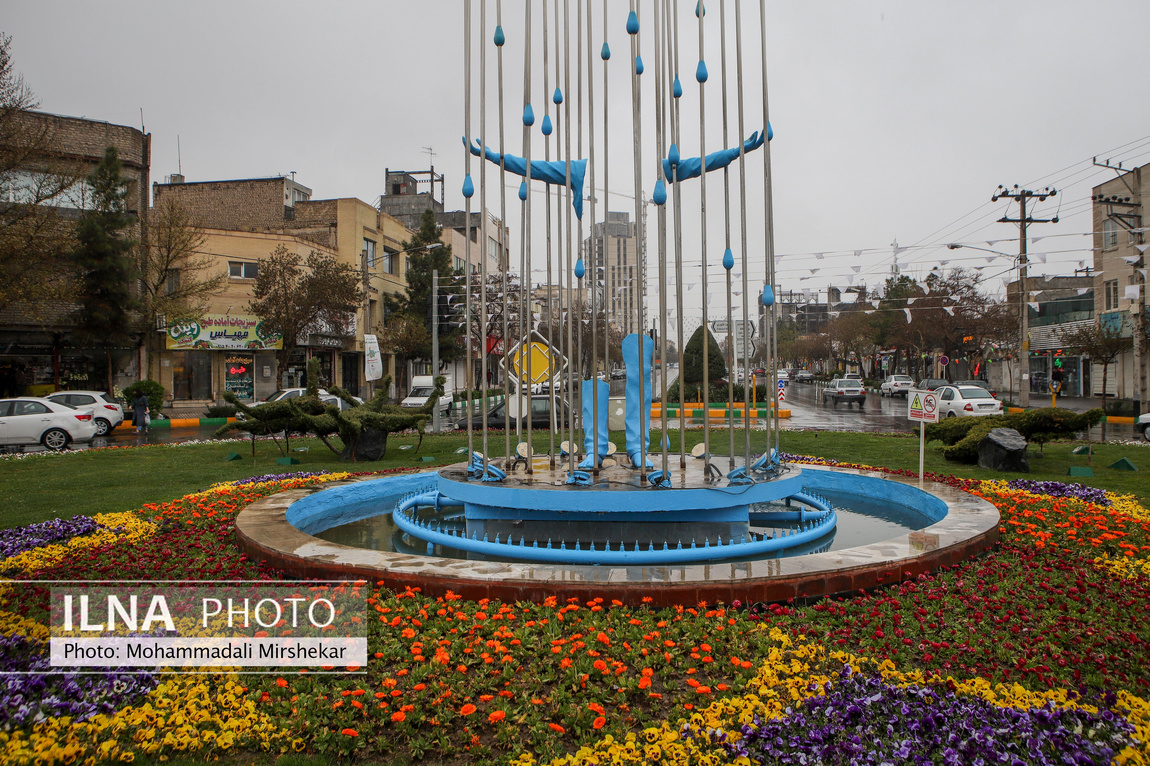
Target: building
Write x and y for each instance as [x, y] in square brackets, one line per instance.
[1120, 277]
[38, 351]
[615, 255]
[247, 219]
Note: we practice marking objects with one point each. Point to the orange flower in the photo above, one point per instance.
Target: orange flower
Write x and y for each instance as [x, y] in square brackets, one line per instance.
[557, 728]
[281, 683]
[644, 683]
[598, 723]
[497, 716]
[486, 697]
[398, 716]
[350, 733]
[467, 709]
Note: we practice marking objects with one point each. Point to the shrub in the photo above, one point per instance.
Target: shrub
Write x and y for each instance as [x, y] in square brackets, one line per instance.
[1038, 426]
[221, 411]
[151, 389]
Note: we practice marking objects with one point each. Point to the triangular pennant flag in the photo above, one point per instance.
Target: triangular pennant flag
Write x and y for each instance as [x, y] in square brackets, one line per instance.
[850, 279]
[858, 253]
[949, 310]
[875, 303]
[1132, 292]
[1032, 305]
[1040, 257]
[945, 262]
[978, 268]
[1142, 248]
[992, 242]
[801, 279]
[907, 315]
[1143, 273]
[814, 271]
[898, 250]
[868, 311]
[856, 269]
[1083, 290]
[1131, 259]
[819, 256]
[1036, 240]
[990, 258]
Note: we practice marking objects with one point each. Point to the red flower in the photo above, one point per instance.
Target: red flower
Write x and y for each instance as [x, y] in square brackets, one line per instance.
[598, 723]
[351, 732]
[497, 716]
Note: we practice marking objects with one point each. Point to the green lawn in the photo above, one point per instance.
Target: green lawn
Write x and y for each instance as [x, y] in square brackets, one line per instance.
[98, 481]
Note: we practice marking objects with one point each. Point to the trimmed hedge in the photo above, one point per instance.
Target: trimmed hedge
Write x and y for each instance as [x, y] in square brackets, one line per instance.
[963, 435]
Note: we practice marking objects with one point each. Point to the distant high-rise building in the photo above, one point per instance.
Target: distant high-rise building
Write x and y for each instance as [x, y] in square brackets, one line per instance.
[615, 264]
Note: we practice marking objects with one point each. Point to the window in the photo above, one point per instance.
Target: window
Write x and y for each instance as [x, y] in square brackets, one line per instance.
[172, 284]
[1109, 234]
[389, 261]
[460, 264]
[191, 375]
[1110, 290]
[29, 408]
[369, 248]
[243, 269]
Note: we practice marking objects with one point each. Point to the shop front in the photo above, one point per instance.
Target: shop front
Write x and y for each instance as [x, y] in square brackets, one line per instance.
[216, 354]
[36, 363]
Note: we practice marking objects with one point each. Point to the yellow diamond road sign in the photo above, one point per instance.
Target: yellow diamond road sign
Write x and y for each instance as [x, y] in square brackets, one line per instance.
[542, 361]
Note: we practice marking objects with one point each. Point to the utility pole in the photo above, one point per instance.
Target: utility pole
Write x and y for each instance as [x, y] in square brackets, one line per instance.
[435, 344]
[1022, 195]
[367, 328]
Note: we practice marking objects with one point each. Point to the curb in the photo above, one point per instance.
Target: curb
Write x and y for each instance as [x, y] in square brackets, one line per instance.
[177, 423]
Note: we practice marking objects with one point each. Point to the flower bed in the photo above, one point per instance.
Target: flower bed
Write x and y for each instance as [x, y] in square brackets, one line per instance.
[1037, 651]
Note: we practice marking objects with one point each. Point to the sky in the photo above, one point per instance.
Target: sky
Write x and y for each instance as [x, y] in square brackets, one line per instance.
[894, 120]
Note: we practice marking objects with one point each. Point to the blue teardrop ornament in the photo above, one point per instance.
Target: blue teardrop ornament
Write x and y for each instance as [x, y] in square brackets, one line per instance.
[770, 132]
[546, 125]
[632, 23]
[580, 269]
[700, 9]
[557, 97]
[638, 65]
[728, 260]
[468, 187]
[528, 115]
[605, 54]
[660, 195]
[523, 191]
[701, 71]
[677, 88]
[500, 38]
[673, 155]
[768, 295]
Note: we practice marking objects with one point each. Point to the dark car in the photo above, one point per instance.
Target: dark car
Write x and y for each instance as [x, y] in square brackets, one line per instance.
[980, 383]
[929, 384]
[540, 415]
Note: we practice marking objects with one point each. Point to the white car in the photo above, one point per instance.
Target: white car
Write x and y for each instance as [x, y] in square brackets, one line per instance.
[31, 420]
[896, 384]
[966, 401]
[324, 396]
[1143, 425]
[106, 411]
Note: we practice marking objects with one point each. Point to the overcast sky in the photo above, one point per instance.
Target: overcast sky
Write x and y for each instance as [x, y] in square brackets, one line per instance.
[892, 119]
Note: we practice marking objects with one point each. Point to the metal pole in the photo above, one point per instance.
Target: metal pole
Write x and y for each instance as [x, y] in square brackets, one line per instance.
[700, 77]
[434, 345]
[526, 324]
[470, 374]
[637, 129]
[727, 238]
[592, 266]
[743, 216]
[483, 213]
[1024, 314]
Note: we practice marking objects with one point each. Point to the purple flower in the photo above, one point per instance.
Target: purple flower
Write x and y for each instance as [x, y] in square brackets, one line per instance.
[861, 719]
[20, 539]
[1062, 489]
[280, 477]
[30, 690]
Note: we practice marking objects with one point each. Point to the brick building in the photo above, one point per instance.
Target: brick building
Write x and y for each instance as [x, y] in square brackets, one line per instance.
[246, 220]
[38, 351]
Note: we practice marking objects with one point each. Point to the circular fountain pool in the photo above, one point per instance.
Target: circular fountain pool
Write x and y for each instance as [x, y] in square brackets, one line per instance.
[888, 529]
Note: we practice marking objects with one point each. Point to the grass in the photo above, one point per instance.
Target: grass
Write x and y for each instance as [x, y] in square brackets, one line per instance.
[102, 481]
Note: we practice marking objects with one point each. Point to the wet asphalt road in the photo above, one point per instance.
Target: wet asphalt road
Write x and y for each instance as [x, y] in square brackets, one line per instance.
[878, 415]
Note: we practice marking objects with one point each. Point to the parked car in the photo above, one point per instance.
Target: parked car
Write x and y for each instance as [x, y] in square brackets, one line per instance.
[966, 401]
[784, 376]
[106, 411]
[540, 415]
[852, 376]
[980, 383]
[804, 376]
[896, 384]
[845, 390]
[32, 420]
[930, 384]
[1143, 424]
[619, 373]
[324, 396]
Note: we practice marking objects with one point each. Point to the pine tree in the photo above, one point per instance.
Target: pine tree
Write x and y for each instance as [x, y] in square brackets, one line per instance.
[104, 263]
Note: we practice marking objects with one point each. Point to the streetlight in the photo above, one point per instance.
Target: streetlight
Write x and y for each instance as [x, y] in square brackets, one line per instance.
[1024, 321]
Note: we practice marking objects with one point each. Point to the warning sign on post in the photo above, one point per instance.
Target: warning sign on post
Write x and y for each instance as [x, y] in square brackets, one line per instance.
[922, 406]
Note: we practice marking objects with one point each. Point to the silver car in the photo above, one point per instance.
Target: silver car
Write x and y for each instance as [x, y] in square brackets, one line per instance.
[896, 384]
[106, 411]
[845, 390]
[29, 420]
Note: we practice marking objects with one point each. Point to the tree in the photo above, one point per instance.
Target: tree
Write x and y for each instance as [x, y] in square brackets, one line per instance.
[429, 254]
[1103, 343]
[852, 337]
[176, 279]
[294, 298]
[407, 338]
[34, 236]
[692, 367]
[104, 263]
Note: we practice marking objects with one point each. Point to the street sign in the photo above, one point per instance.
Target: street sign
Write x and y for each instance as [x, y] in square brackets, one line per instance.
[943, 361]
[741, 329]
[782, 384]
[922, 407]
[782, 394]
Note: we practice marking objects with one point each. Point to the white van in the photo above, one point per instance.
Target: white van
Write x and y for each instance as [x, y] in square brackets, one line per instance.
[421, 388]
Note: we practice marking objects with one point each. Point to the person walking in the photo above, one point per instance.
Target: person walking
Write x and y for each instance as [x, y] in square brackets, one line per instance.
[140, 412]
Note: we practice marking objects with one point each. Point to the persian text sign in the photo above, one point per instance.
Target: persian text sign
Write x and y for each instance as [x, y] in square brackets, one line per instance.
[223, 331]
[219, 625]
